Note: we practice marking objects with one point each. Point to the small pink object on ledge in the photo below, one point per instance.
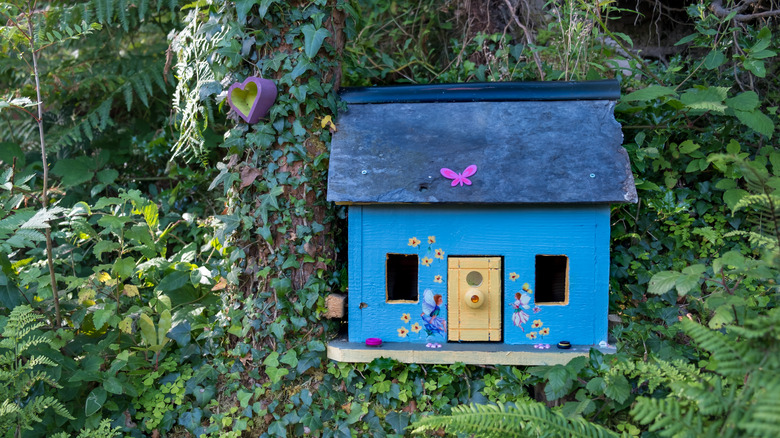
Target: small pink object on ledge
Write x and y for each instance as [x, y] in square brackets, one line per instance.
[373, 342]
[252, 98]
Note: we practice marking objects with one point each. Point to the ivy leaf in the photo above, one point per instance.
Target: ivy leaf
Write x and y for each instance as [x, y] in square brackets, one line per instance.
[398, 421]
[95, 401]
[181, 333]
[313, 39]
[290, 358]
[276, 374]
[272, 360]
[662, 282]
[10, 295]
[242, 9]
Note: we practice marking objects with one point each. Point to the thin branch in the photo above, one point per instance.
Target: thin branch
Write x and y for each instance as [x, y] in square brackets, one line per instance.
[717, 8]
[528, 38]
[44, 194]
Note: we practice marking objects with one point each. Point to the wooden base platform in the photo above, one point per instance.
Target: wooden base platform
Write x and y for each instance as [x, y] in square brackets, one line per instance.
[468, 353]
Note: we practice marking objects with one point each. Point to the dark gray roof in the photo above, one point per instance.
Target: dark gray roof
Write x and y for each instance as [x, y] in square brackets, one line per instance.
[526, 151]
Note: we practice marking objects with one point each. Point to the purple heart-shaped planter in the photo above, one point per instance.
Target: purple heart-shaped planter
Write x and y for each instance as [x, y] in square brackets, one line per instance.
[252, 98]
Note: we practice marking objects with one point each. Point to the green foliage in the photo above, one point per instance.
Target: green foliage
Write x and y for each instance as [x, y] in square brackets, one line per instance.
[525, 420]
[734, 398]
[21, 371]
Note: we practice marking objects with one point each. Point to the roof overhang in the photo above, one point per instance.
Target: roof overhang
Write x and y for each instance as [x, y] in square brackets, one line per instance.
[533, 143]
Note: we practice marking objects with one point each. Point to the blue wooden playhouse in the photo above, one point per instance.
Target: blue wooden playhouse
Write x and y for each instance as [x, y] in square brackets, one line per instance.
[478, 219]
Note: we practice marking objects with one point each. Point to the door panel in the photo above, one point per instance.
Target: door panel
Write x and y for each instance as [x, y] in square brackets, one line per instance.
[474, 298]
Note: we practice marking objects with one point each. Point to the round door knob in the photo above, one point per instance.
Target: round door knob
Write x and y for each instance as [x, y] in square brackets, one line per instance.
[474, 298]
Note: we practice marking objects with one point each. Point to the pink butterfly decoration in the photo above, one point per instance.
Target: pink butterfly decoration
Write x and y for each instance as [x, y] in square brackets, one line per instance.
[459, 178]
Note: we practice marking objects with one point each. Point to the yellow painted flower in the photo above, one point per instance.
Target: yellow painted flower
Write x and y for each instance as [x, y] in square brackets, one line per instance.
[416, 327]
[406, 318]
[531, 335]
[431, 240]
[437, 279]
[526, 287]
[545, 331]
[414, 242]
[537, 323]
[402, 332]
[513, 276]
[439, 254]
[426, 261]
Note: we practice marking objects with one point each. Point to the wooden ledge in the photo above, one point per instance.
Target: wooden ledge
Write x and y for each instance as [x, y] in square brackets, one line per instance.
[468, 353]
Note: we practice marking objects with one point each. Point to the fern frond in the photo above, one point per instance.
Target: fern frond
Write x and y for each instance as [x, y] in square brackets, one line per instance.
[722, 349]
[499, 421]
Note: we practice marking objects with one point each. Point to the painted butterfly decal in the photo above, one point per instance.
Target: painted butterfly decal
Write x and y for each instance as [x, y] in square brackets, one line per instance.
[459, 178]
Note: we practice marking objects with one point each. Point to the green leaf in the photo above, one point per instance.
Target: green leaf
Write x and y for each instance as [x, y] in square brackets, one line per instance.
[290, 358]
[757, 121]
[163, 326]
[276, 374]
[242, 9]
[107, 176]
[714, 59]
[705, 99]
[685, 283]
[73, 171]
[95, 401]
[104, 246]
[618, 388]
[662, 282]
[746, 101]
[650, 93]
[101, 316]
[272, 360]
[173, 281]
[313, 39]
[148, 334]
[112, 385]
[756, 67]
[181, 333]
[732, 196]
[688, 146]
[123, 267]
[264, 5]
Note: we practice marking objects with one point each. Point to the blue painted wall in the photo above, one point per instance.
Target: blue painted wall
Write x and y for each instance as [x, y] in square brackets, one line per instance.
[517, 233]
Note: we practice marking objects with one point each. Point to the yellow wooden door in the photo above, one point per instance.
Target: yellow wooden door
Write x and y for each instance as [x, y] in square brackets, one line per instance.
[474, 298]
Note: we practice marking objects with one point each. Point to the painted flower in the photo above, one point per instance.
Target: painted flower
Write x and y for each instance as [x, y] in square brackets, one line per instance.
[402, 332]
[437, 279]
[526, 287]
[416, 327]
[406, 318]
[545, 331]
[531, 335]
[426, 261]
[414, 242]
[431, 240]
[537, 309]
[537, 323]
[439, 254]
[513, 276]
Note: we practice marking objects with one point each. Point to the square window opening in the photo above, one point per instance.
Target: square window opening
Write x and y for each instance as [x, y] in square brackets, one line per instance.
[401, 271]
[552, 279]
